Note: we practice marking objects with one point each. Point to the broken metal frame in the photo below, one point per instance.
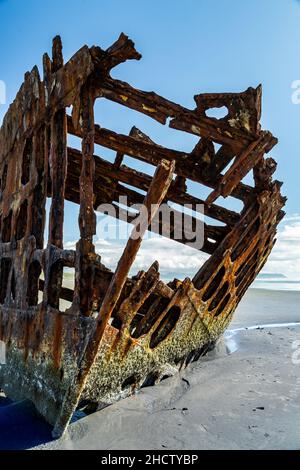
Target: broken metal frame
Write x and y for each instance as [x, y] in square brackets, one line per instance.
[120, 333]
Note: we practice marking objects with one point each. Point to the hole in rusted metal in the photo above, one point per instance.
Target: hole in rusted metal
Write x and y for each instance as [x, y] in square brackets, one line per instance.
[246, 267]
[127, 121]
[153, 378]
[247, 261]
[13, 285]
[216, 281]
[247, 280]
[67, 291]
[34, 273]
[266, 250]
[6, 228]
[267, 242]
[147, 315]
[249, 179]
[4, 178]
[27, 156]
[129, 382]
[145, 167]
[22, 221]
[219, 296]
[38, 215]
[230, 203]
[55, 281]
[217, 113]
[223, 305]
[250, 232]
[194, 355]
[47, 217]
[71, 213]
[150, 380]
[197, 190]
[5, 267]
[165, 327]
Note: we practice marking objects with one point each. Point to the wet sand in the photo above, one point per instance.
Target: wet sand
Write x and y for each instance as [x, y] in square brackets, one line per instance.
[244, 395]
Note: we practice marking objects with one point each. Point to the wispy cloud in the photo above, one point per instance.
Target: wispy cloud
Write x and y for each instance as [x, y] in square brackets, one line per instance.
[180, 261]
[175, 260]
[285, 257]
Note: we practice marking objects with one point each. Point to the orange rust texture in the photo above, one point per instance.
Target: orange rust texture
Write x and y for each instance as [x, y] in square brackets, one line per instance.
[123, 313]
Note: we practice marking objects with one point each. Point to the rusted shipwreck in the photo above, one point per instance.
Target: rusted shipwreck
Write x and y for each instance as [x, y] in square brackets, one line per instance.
[119, 333]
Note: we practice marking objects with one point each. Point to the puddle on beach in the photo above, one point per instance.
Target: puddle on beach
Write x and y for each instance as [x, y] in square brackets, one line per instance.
[267, 325]
[229, 342]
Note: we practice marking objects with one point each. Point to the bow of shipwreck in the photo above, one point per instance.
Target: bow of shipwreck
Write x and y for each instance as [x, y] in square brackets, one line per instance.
[119, 333]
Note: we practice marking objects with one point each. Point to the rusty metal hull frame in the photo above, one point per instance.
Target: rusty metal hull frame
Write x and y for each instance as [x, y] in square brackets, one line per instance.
[120, 333]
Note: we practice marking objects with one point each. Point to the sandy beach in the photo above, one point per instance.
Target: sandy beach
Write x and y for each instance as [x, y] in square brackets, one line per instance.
[244, 395]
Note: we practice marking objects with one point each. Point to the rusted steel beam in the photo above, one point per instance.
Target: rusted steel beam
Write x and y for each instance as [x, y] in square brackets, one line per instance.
[123, 49]
[263, 172]
[180, 227]
[244, 109]
[153, 153]
[220, 132]
[124, 174]
[65, 293]
[142, 289]
[58, 171]
[131, 146]
[87, 218]
[58, 160]
[85, 292]
[148, 103]
[242, 165]
[156, 194]
[103, 279]
[160, 109]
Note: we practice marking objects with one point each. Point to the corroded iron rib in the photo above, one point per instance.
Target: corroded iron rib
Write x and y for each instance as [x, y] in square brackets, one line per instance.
[155, 196]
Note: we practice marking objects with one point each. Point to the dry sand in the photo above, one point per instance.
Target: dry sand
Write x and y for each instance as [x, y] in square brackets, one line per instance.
[244, 395]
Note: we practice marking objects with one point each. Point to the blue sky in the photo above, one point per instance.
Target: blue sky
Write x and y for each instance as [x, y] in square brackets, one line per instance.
[188, 47]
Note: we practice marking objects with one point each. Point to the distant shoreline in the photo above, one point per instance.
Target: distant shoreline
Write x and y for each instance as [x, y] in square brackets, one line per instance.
[276, 286]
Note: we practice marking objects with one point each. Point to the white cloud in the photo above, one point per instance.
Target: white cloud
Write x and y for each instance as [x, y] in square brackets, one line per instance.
[175, 259]
[285, 257]
[180, 261]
